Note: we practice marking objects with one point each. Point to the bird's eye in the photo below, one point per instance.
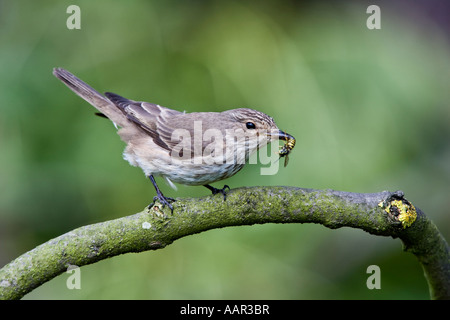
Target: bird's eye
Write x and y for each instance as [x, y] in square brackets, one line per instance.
[250, 125]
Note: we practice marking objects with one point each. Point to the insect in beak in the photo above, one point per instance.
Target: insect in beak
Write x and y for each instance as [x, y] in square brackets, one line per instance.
[288, 146]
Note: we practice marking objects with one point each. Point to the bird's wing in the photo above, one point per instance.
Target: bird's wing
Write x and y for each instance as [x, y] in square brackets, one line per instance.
[173, 130]
[147, 116]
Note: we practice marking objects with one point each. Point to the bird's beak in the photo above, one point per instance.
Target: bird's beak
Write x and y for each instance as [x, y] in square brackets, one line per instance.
[284, 136]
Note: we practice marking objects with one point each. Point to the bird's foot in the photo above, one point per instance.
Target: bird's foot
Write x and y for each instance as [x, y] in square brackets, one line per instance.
[159, 196]
[216, 191]
[165, 201]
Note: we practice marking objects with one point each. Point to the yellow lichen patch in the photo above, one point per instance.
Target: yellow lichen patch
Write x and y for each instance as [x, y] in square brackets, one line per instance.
[407, 215]
[403, 210]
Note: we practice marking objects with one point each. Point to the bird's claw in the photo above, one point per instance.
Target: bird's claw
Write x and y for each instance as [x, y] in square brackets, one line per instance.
[216, 191]
[163, 200]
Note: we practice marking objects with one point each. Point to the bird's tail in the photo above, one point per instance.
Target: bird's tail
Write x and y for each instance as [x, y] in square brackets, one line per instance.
[85, 91]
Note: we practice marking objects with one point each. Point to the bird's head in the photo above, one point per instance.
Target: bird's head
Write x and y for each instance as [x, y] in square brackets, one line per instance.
[254, 129]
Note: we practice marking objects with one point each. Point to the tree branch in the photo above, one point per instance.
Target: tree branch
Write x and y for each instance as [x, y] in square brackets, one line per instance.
[384, 214]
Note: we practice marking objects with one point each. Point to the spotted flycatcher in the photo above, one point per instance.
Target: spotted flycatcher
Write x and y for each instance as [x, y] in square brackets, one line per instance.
[194, 149]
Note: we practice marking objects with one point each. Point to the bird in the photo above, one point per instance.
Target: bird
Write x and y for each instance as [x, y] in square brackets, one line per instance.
[194, 149]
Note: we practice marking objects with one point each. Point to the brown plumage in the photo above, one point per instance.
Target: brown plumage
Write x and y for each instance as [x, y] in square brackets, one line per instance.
[196, 148]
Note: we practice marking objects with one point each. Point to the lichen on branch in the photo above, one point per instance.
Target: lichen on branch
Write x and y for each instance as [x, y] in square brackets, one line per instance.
[157, 227]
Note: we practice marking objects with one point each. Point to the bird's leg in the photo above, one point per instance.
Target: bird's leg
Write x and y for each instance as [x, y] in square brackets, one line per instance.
[216, 191]
[164, 200]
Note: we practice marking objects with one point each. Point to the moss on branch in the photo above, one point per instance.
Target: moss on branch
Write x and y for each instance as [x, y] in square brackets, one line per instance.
[156, 228]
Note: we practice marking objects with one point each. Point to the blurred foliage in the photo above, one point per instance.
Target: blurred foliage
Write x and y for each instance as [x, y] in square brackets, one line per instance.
[369, 109]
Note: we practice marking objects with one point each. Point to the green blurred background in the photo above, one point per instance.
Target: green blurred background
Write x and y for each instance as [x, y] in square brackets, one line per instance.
[369, 109]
